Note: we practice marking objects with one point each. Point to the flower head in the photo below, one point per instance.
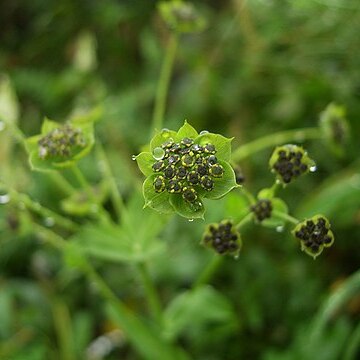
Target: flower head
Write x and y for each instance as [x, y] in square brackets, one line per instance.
[262, 209]
[223, 238]
[314, 235]
[183, 168]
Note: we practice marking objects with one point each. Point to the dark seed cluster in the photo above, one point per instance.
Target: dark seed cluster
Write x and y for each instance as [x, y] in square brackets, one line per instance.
[262, 209]
[223, 238]
[314, 234]
[185, 168]
[61, 142]
[289, 163]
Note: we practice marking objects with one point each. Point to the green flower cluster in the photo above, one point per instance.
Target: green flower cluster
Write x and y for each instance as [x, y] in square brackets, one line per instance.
[184, 167]
[61, 142]
[314, 234]
[289, 162]
[223, 238]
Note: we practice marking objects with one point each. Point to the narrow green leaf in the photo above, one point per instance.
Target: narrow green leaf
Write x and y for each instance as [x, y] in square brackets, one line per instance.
[157, 201]
[145, 161]
[188, 210]
[222, 185]
[221, 143]
[186, 131]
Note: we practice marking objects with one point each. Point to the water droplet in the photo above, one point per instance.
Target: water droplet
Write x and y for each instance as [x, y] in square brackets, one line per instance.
[280, 228]
[236, 257]
[158, 153]
[191, 220]
[165, 132]
[313, 168]
[2, 125]
[49, 222]
[4, 199]
[133, 157]
[204, 132]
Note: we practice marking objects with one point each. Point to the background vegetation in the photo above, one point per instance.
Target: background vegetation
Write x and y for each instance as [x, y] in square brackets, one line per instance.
[259, 67]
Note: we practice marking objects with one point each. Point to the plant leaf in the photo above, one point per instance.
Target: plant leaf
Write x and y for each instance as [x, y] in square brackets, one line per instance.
[157, 201]
[186, 209]
[145, 161]
[49, 125]
[186, 131]
[221, 143]
[161, 137]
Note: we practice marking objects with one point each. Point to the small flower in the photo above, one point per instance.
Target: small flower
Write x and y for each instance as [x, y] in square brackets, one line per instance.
[223, 238]
[262, 209]
[289, 162]
[182, 169]
[314, 235]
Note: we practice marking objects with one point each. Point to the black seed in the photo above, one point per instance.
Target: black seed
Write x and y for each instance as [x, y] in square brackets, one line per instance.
[168, 144]
[182, 172]
[159, 184]
[202, 169]
[197, 148]
[212, 159]
[207, 183]
[321, 222]
[216, 171]
[327, 239]
[188, 160]
[210, 149]
[193, 177]
[176, 148]
[286, 178]
[282, 154]
[189, 194]
[170, 172]
[303, 167]
[174, 187]
[158, 166]
[314, 248]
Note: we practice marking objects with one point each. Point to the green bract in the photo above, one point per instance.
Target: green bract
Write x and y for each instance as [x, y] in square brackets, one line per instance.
[184, 167]
[182, 17]
[314, 235]
[60, 145]
[335, 127]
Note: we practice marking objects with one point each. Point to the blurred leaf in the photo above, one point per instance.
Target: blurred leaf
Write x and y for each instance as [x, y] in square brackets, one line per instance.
[195, 308]
[9, 107]
[145, 161]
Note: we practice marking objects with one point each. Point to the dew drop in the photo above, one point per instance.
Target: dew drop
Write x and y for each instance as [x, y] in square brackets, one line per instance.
[280, 228]
[133, 157]
[236, 257]
[191, 220]
[158, 153]
[204, 132]
[49, 222]
[312, 168]
[165, 132]
[4, 199]
[2, 125]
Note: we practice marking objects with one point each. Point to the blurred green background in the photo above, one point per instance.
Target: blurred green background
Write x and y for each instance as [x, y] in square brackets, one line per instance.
[261, 66]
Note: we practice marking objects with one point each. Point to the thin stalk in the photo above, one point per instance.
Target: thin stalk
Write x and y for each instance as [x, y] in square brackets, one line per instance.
[245, 220]
[248, 195]
[286, 217]
[41, 210]
[297, 135]
[209, 271]
[108, 174]
[163, 83]
[151, 293]
[61, 182]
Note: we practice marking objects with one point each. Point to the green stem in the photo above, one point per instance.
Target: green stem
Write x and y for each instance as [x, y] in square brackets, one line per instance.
[248, 195]
[37, 208]
[209, 271]
[286, 217]
[61, 182]
[297, 135]
[245, 220]
[163, 83]
[151, 293]
[108, 174]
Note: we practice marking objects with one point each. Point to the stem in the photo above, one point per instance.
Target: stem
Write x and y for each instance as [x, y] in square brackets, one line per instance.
[246, 219]
[151, 293]
[208, 271]
[163, 83]
[248, 195]
[286, 217]
[37, 208]
[297, 135]
[61, 182]
[108, 174]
